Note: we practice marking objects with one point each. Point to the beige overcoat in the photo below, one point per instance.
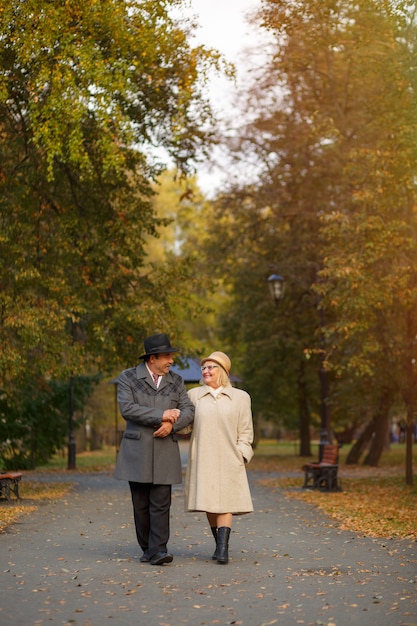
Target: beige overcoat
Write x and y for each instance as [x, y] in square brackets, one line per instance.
[221, 443]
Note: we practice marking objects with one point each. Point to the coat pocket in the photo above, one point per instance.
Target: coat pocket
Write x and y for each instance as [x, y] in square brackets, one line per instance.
[128, 435]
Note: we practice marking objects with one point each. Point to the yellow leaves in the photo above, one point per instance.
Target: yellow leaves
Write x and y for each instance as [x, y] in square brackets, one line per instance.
[30, 492]
[131, 592]
[9, 515]
[375, 501]
[375, 507]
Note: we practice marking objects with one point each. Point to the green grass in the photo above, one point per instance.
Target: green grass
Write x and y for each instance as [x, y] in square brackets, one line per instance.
[394, 456]
[96, 461]
[267, 447]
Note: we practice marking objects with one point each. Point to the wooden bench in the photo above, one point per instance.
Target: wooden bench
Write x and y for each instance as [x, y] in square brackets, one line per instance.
[9, 484]
[323, 474]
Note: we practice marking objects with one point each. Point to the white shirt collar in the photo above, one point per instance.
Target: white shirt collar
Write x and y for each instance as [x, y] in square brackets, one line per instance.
[216, 392]
[152, 374]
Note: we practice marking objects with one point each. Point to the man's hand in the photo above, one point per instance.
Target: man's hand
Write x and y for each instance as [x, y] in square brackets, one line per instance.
[164, 430]
[171, 415]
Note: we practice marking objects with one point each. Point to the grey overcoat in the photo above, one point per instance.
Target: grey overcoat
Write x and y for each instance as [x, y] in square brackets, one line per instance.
[142, 457]
[221, 444]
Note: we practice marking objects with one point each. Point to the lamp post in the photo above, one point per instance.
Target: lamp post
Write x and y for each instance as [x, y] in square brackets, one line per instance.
[72, 446]
[71, 437]
[276, 289]
[115, 382]
[324, 393]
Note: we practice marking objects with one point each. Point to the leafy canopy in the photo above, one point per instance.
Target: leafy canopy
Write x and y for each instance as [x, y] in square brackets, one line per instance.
[87, 91]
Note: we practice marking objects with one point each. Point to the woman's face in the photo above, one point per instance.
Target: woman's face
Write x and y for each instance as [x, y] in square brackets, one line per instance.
[210, 372]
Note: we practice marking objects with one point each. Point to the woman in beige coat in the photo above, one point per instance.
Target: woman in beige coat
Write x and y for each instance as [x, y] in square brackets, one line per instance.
[221, 444]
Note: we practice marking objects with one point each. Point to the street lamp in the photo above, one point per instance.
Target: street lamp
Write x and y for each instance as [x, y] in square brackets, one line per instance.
[71, 437]
[324, 395]
[276, 287]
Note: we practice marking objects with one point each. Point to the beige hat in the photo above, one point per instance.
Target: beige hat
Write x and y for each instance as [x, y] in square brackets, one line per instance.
[221, 359]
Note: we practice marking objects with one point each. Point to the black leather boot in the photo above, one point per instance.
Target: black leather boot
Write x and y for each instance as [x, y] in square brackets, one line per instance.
[223, 535]
[214, 531]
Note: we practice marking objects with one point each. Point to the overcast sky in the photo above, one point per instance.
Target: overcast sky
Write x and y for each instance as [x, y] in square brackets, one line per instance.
[223, 25]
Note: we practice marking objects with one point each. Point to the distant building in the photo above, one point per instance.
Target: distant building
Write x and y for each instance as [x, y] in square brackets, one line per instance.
[189, 369]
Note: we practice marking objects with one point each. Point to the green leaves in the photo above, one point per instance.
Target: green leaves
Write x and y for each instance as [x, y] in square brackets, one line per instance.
[88, 90]
[112, 73]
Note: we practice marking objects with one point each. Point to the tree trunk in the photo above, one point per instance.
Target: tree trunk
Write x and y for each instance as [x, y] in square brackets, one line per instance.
[303, 412]
[379, 439]
[96, 440]
[409, 434]
[410, 396]
[345, 437]
[358, 448]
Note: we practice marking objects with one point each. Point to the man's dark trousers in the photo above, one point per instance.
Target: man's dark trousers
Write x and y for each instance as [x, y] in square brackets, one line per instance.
[151, 507]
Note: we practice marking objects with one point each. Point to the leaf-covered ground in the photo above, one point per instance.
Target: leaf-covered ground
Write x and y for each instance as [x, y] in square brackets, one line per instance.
[32, 494]
[375, 507]
[375, 502]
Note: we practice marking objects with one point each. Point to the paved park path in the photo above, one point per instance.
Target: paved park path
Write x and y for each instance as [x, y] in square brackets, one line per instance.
[76, 561]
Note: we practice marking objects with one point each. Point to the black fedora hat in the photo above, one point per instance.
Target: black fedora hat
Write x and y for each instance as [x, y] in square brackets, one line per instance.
[157, 344]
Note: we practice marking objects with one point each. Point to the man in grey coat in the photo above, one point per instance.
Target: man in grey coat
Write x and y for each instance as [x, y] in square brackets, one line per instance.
[155, 405]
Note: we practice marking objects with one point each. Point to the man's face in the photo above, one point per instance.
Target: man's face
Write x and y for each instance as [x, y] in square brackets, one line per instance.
[160, 363]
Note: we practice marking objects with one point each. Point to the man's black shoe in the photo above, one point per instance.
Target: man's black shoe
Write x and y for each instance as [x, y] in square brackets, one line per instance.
[145, 558]
[161, 557]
